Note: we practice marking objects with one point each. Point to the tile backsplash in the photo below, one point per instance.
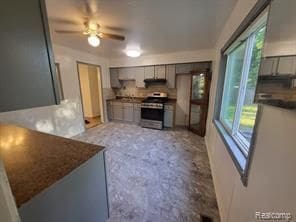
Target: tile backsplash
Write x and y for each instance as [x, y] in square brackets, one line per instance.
[129, 89]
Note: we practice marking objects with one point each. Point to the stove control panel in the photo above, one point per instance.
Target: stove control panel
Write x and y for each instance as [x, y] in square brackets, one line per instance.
[152, 105]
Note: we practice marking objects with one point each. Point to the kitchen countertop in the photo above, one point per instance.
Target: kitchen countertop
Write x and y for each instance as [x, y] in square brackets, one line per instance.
[139, 100]
[35, 160]
[124, 100]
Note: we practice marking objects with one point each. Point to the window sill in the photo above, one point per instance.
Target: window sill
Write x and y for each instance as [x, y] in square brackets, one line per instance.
[240, 161]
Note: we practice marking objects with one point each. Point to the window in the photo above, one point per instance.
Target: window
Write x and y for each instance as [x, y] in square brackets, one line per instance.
[236, 114]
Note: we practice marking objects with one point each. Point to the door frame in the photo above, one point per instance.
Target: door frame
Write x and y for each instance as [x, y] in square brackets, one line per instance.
[203, 103]
[100, 86]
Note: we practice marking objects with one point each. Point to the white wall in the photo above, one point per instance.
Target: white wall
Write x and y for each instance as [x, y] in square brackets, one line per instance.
[178, 57]
[271, 180]
[62, 120]
[67, 58]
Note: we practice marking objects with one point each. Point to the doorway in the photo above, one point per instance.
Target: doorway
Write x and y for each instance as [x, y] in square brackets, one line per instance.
[90, 82]
[199, 100]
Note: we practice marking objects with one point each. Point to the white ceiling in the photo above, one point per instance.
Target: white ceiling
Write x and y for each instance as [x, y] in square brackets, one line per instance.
[157, 26]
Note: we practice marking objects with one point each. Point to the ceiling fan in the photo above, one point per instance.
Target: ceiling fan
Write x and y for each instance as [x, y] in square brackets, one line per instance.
[94, 35]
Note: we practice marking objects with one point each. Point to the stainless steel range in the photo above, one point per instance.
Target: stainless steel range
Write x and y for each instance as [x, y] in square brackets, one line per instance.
[152, 110]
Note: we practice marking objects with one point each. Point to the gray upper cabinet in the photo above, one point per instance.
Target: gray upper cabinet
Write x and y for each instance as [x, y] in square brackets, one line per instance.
[126, 73]
[269, 66]
[201, 66]
[281, 65]
[149, 72]
[122, 74]
[183, 68]
[171, 76]
[139, 75]
[114, 78]
[27, 67]
[287, 65]
[160, 72]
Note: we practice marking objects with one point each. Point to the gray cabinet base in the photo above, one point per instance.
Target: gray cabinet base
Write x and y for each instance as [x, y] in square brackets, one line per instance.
[79, 196]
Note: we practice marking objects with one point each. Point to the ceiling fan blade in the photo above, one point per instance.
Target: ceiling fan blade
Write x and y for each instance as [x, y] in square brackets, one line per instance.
[64, 21]
[68, 32]
[111, 36]
[114, 28]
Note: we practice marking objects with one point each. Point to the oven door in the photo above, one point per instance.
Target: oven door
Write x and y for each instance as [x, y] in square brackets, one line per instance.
[152, 114]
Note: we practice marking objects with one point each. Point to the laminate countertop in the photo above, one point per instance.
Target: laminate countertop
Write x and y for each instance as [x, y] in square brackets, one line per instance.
[170, 101]
[34, 161]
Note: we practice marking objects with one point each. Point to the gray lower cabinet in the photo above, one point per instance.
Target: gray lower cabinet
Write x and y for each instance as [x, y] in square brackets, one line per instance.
[137, 113]
[117, 110]
[128, 112]
[169, 111]
[109, 110]
[28, 77]
[79, 196]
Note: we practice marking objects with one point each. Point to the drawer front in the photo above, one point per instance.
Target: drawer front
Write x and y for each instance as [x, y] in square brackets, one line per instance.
[137, 115]
[128, 104]
[137, 105]
[117, 113]
[115, 103]
[168, 118]
[128, 114]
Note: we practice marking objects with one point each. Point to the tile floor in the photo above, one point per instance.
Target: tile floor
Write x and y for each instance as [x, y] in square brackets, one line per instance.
[153, 175]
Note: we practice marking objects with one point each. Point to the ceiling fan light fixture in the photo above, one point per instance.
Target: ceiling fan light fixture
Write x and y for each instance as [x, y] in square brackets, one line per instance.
[133, 53]
[93, 40]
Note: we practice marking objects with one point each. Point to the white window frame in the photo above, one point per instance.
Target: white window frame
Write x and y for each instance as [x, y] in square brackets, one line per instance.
[233, 131]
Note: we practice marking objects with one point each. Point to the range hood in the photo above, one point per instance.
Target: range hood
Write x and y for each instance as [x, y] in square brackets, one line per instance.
[155, 81]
